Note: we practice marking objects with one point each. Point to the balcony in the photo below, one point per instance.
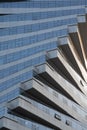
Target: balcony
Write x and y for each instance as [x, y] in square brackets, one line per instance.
[61, 84]
[9, 124]
[61, 63]
[54, 99]
[24, 108]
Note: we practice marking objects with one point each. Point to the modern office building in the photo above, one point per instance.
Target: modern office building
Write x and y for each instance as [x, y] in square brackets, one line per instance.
[43, 65]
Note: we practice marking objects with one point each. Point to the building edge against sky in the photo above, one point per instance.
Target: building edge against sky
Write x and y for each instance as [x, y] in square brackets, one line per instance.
[43, 65]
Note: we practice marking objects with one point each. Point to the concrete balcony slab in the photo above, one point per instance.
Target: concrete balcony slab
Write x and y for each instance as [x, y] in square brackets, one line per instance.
[9, 124]
[24, 108]
[57, 101]
[61, 63]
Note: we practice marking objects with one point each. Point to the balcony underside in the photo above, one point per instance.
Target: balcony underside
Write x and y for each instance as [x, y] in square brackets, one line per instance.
[46, 73]
[77, 57]
[75, 40]
[82, 33]
[60, 84]
[62, 65]
[68, 54]
[39, 91]
[27, 110]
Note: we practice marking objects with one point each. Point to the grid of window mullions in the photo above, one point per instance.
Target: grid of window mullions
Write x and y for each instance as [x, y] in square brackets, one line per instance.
[18, 67]
[11, 95]
[13, 81]
[25, 53]
[41, 15]
[36, 27]
[44, 4]
[31, 39]
[21, 77]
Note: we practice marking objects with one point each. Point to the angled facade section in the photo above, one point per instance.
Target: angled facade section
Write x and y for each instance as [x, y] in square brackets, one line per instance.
[43, 65]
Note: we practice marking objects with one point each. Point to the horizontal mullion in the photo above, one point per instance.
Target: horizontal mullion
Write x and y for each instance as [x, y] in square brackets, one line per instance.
[41, 15]
[43, 4]
[36, 27]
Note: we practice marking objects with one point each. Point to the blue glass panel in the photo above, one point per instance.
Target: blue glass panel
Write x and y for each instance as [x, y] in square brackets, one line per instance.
[36, 27]
[9, 83]
[45, 4]
[9, 96]
[40, 15]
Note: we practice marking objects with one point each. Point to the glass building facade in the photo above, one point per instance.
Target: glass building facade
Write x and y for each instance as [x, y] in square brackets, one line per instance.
[32, 32]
